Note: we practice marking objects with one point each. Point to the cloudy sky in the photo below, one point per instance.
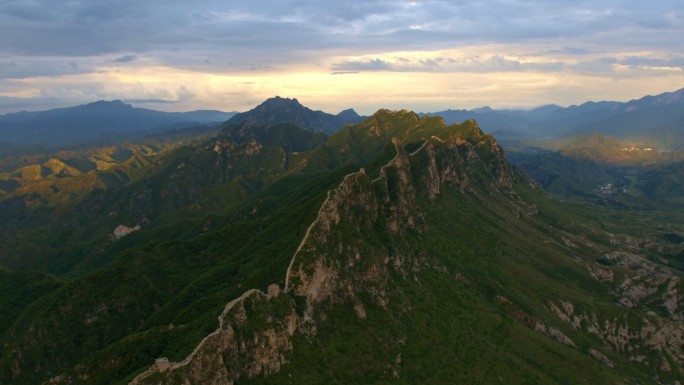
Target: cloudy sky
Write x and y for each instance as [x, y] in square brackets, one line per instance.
[423, 55]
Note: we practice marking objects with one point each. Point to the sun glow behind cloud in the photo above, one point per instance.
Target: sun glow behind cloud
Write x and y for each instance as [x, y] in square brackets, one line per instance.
[424, 81]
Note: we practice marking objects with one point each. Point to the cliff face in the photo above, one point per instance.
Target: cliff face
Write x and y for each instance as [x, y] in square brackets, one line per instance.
[341, 257]
[253, 339]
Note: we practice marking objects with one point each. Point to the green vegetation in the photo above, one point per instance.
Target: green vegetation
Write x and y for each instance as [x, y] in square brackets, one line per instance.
[471, 322]
[127, 305]
[455, 295]
[18, 291]
[39, 178]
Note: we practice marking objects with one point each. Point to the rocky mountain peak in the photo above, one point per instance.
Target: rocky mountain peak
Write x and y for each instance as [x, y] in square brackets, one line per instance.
[349, 115]
[279, 110]
[115, 102]
[660, 100]
[279, 102]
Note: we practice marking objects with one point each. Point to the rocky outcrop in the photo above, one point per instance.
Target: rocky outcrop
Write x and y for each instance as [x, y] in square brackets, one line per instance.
[554, 333]
[334, 266]
[637, 339]
[121, 231]
[601, 273]
[601, 357]
[253, 339]
[283, 110]
[638, 282]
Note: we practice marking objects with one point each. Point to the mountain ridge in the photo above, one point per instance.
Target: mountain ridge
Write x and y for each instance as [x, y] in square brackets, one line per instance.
[96, 121]
[283, 110]
[326, 272]
[652, 120]
[321, 285]
[655, 119]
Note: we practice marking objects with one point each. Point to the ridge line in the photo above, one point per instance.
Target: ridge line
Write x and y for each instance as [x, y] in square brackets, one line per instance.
[308, 232]
[176, 365]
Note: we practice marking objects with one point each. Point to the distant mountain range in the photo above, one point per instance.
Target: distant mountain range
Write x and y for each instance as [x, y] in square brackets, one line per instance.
[283, 110]
[654, 120]
[98, 121]
[104, 121]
